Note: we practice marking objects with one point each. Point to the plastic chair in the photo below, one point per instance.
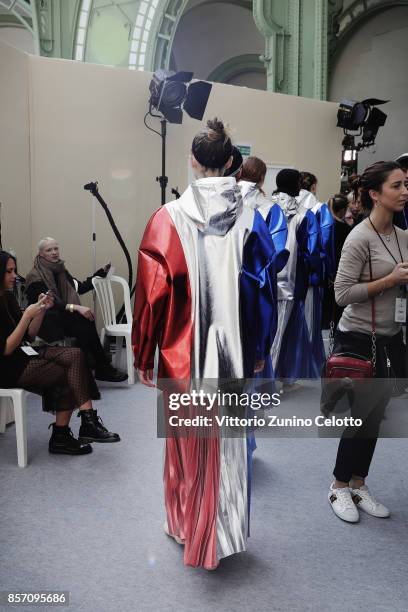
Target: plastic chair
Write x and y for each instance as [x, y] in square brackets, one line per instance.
[18, 398]
[103, 288]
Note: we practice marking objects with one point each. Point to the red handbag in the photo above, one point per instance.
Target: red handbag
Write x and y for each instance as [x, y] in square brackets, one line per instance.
[346, 366]
[350, 365]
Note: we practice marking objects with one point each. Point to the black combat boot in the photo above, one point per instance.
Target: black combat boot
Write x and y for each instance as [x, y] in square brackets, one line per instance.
[93, 430]
[63, 442]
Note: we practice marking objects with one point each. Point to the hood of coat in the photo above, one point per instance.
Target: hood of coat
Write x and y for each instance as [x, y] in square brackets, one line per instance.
[306, 199]
[251, 194]
[288, 204]
[255, 198]
[213, 204]
[248, 190]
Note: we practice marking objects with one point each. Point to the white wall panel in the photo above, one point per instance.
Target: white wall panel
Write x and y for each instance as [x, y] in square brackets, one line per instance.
[14, 154]
[86, 123]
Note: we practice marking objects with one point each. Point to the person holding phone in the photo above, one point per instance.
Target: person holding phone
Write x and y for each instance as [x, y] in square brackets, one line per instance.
[51, 371]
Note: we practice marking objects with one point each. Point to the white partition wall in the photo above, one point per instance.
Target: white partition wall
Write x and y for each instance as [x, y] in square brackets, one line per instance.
[15, 154]
[86, 123]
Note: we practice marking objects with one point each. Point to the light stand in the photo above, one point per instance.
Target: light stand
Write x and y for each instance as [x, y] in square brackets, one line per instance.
[171, 93]
[163, 179]
[94, 252]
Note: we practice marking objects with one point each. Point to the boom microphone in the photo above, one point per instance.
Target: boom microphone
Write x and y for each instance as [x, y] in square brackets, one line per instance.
[91, 186]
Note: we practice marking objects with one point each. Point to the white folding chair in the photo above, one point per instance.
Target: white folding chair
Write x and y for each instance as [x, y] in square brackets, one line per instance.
[18, 398]
[103, 288]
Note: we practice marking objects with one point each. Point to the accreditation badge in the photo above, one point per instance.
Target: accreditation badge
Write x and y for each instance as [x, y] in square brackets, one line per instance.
[400, 310]
[28, 350]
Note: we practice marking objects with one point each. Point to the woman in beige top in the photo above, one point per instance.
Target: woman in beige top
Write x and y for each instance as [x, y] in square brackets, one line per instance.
[383, 193]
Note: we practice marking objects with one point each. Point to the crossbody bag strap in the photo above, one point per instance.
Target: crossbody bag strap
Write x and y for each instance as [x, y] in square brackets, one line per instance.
[373, 324]
[331, 328]
[373, 327]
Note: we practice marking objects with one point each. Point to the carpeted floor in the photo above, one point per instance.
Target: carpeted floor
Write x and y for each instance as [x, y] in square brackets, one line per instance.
[92, 525]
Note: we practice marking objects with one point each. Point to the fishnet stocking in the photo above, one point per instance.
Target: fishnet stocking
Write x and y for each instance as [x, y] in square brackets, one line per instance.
[60, 367]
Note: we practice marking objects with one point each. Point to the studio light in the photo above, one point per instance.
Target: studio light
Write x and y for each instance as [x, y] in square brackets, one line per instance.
[363, 119]
[351, 115]
[170, 95]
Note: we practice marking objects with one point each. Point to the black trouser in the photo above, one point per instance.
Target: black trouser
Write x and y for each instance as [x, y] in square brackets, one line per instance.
[84, 331]
[357, 445]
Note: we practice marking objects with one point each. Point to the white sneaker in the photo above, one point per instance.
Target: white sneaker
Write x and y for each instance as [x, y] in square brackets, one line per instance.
[166, 530]
[364, 500]
[342, 504]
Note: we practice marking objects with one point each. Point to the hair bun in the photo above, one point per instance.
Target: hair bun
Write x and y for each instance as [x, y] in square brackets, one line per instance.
[216, 130]
[212, 147]
[216, 125]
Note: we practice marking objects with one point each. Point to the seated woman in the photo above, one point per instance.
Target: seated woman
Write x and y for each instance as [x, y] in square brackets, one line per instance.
[61, 372]
[68, 317]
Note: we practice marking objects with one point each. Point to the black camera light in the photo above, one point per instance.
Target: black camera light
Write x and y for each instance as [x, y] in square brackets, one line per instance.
[376, 119]
[364, 119]
[355, 116]
[351, 115]
[170, 94]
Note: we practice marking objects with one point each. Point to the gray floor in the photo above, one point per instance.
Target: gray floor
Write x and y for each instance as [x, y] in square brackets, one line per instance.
[93, 526]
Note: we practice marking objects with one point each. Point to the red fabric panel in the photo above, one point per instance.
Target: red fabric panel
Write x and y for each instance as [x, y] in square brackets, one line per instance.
[162, 315]
[162, 312]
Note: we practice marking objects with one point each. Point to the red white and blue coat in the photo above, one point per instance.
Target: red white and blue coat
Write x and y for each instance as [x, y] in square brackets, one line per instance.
[206, 295]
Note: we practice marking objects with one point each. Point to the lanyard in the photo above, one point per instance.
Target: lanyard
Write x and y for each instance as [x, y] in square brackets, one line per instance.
[403, 288]
[396, 237]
